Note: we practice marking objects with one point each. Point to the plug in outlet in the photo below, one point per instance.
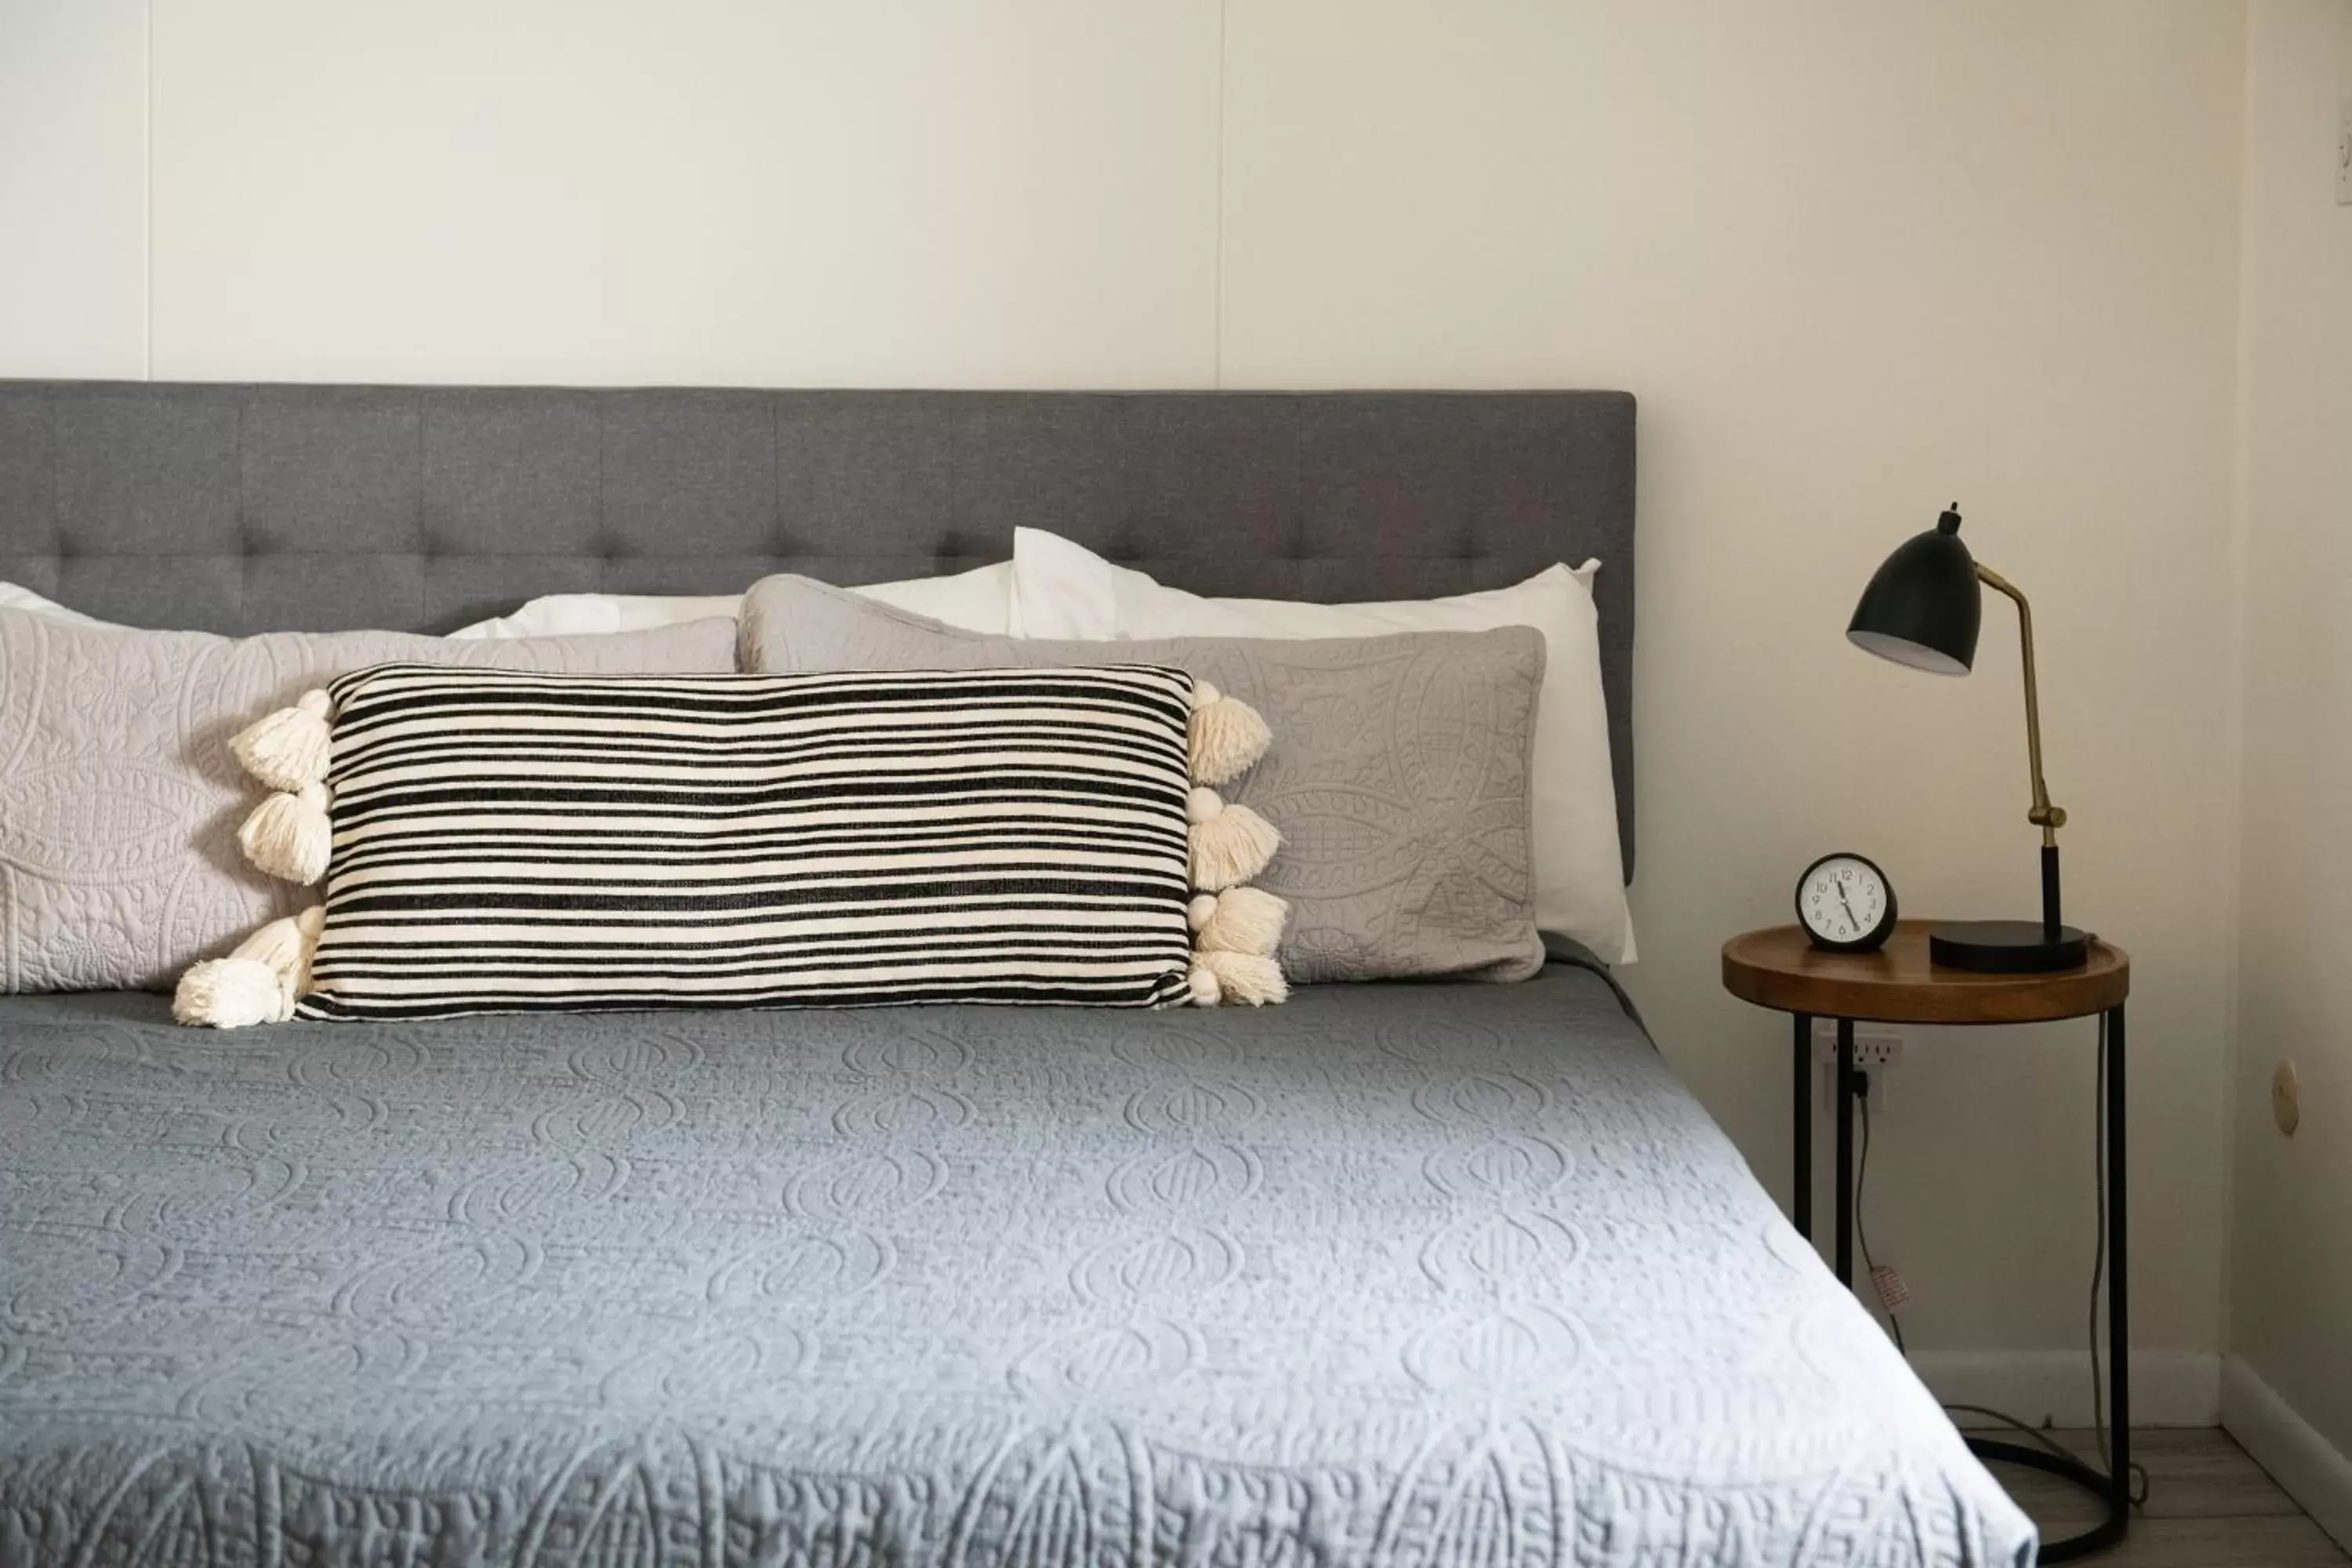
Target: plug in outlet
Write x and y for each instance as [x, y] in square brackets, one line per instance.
[1877, 1048]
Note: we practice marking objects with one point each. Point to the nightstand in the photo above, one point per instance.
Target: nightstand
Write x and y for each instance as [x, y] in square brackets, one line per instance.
[1779, 968]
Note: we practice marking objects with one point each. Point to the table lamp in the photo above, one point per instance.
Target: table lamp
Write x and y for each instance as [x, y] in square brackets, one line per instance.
[1922, 609]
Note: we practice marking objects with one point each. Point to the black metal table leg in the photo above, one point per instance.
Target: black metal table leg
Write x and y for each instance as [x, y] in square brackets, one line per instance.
[1800, 1196]
[1845, 1153]
[2118, 1286]
[2114, 1487]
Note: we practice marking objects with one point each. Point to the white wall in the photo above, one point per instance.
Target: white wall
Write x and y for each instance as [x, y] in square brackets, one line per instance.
[1858, 261]
[1858, 258]
[2291, 1265]
[1019, 192]
[73, 193]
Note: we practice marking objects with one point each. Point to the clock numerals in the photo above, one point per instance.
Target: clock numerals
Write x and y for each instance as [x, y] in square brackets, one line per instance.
[1846, 902]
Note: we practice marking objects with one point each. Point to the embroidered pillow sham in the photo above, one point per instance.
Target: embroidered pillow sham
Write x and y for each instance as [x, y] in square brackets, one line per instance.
[1061, 589]
[495, 842]
[120, 800]
[1399, 774]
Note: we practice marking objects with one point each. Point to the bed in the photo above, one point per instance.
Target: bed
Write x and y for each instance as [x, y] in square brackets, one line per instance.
[1394, 1274]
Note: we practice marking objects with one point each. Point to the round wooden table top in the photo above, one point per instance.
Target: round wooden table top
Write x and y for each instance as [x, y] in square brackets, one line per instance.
[1780, 968]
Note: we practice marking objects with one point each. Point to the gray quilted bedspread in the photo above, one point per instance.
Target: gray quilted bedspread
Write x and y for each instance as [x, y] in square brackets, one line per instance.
[1447, 1275]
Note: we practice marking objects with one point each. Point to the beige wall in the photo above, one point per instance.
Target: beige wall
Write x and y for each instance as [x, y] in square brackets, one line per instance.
[1858, 262]
[1858, 259]
[73, 194]
[2290, 1258]
[1018, 192]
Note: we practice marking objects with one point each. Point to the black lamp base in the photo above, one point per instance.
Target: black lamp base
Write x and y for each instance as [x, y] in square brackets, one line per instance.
[2006, 947]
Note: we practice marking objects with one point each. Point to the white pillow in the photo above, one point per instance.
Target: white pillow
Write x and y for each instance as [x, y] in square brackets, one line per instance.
[980, 600]
[571, 615]
[1065, 590]
[12, 597]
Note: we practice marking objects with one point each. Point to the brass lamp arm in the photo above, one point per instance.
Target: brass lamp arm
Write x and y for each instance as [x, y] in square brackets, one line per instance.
[2048, 817]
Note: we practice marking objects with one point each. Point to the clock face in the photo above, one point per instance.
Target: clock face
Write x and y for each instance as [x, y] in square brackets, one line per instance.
[1846, 902]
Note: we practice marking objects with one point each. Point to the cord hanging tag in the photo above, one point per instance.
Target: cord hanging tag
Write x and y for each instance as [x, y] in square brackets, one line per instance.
[1892, 1294]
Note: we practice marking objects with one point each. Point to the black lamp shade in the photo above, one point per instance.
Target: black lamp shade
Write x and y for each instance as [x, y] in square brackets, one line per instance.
[1922, 606]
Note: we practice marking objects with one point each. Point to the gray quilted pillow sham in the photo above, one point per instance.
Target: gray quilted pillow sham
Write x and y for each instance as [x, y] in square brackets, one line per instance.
[1399, 776]
[120, 802]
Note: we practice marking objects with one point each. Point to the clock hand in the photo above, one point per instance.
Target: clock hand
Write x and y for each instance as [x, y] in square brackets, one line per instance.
[1849, 909]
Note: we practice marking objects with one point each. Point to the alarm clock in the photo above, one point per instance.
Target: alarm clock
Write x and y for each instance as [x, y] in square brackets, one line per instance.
[1845, 903]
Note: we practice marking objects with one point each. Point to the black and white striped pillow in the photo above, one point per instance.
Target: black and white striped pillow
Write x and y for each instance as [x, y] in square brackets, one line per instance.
[507, 841]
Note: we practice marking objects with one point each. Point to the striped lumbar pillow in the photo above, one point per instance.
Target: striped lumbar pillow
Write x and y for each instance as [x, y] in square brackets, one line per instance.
[496, 841]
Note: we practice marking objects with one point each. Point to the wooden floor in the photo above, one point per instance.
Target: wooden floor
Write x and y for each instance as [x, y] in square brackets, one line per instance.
[2209, 1506]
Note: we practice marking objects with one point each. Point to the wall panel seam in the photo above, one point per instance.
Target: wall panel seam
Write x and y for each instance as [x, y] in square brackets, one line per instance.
[147, 197]
[1217, 268]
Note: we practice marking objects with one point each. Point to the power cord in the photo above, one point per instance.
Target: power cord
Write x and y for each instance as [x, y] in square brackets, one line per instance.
[1860, 1089]
[1890, 1303]
[2136, 1484]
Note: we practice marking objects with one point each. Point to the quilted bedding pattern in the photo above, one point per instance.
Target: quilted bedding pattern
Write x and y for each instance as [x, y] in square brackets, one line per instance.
[1444, 1274]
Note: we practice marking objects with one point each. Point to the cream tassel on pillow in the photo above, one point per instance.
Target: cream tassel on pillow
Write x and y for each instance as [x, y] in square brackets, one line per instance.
[1236, 929]
[256, 984]
[1239, 920]
[290, 747]
[1231, 844]
[289, 945]
[1227, 736]
[291, 835]
[231, 993]
[1236, 977]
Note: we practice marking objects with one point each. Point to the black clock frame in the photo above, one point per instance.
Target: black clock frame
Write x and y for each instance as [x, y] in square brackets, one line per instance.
[1869, 941]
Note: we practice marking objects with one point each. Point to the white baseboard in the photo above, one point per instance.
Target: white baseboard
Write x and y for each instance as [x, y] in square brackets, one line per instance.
[2168, 1388]
[2314, 1472]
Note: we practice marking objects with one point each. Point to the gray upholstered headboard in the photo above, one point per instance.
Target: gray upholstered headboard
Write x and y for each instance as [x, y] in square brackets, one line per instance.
[243, 509]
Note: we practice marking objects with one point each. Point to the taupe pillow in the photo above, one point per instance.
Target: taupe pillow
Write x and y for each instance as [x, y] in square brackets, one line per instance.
[1398, 777]
[120, 802]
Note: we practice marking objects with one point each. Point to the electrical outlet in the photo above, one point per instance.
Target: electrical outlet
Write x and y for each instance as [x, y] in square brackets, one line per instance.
[2286, 1097]
[1877, 1048]
[2344, 151]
